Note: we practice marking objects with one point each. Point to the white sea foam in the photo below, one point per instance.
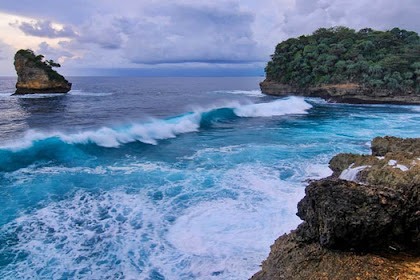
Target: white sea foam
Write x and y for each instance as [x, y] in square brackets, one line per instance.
[318, 171]
[352, 173]
[114, 233]
[155, 130]
[231, 149]
[87, 93]
[215, 235]
[4, 95]
[402, 167]
[392, 162]
[84, 228]
[291, 105]
[254, 93]
[148, 133]
[8, 95]
[415, 108]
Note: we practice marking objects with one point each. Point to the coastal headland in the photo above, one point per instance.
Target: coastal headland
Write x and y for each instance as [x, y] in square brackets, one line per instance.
[340, 64]
[362, 222]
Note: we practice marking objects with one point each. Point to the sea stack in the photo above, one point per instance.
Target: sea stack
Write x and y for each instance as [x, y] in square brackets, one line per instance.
[37, 76]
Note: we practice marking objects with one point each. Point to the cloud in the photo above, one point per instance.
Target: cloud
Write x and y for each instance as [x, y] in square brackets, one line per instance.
[102, 31]
[164, 32]
[308, 15]
[44, 28]
[53, 53]
[71, 12]
[181, 33]
[6, 65]
[140, 34]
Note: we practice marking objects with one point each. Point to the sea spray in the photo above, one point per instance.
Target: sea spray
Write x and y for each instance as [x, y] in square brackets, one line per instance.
[292, 105]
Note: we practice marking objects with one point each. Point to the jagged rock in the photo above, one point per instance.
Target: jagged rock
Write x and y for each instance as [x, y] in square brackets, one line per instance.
[290, 259]
[36, 76]
[364, 215]
[344, 215]
[383, 145]
[344, 93]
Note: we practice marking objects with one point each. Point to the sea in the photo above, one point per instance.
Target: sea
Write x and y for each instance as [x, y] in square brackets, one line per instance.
[165, 178]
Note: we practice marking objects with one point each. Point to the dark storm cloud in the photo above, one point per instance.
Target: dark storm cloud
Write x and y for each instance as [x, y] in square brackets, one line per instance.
[44, 28]
[307, 15]
[132, 33]
[211, 34]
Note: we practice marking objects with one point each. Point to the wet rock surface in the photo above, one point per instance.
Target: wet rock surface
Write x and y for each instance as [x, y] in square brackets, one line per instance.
[367, 215]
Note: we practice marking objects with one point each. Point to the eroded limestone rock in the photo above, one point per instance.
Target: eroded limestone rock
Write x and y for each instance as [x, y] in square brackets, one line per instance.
[36, 76]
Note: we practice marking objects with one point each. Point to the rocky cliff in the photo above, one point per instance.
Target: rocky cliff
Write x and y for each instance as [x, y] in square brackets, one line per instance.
[344, 93]
[344, 65]
[37, 76]
[363, 222]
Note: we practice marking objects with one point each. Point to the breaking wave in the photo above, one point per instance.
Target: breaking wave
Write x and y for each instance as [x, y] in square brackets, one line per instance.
[153, 131]
[256, 93]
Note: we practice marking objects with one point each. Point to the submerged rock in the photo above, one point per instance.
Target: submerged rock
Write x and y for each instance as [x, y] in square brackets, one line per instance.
[37, 76]
[365, 227]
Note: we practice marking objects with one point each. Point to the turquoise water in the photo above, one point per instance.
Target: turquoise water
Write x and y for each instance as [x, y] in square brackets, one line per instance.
[165, 178]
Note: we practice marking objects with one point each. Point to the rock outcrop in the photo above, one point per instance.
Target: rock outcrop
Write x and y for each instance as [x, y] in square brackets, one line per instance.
[290, 259]
[363, 222]
[36, 76]
[343, 93]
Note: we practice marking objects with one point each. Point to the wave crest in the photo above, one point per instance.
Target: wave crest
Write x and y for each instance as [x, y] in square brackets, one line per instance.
[151, 132]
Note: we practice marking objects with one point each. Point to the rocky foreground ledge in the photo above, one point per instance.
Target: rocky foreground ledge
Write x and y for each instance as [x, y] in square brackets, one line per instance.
[344, 93]
[363, 222]
[37, 76]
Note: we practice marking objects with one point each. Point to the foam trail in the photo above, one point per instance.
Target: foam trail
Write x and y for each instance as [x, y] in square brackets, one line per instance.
[86, 93]
[151, 132]
[256, 93]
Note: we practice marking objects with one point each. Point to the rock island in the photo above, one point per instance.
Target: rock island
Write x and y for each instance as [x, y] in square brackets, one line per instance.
[37, 76]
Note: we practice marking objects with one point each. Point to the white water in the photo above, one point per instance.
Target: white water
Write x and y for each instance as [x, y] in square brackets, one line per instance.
[210, 238]
[155, 130]
[352, 174]
[292, 105]
[253, 93]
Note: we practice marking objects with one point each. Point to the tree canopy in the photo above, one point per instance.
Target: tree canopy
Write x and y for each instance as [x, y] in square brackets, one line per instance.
[378, 59]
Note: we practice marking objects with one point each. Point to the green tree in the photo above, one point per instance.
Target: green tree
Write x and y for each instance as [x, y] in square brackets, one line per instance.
[378, 59]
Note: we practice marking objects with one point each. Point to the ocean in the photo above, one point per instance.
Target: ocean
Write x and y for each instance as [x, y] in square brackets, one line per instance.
[165, 178]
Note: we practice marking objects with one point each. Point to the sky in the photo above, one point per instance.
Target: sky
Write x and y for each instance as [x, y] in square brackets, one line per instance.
[178, 37]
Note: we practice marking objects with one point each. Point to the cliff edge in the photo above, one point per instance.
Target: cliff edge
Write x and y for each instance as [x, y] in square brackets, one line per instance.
[363, 222]
[37, 76]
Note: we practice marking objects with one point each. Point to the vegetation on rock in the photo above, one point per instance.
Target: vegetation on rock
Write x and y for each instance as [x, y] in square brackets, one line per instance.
[39, 62]
[376, 59]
